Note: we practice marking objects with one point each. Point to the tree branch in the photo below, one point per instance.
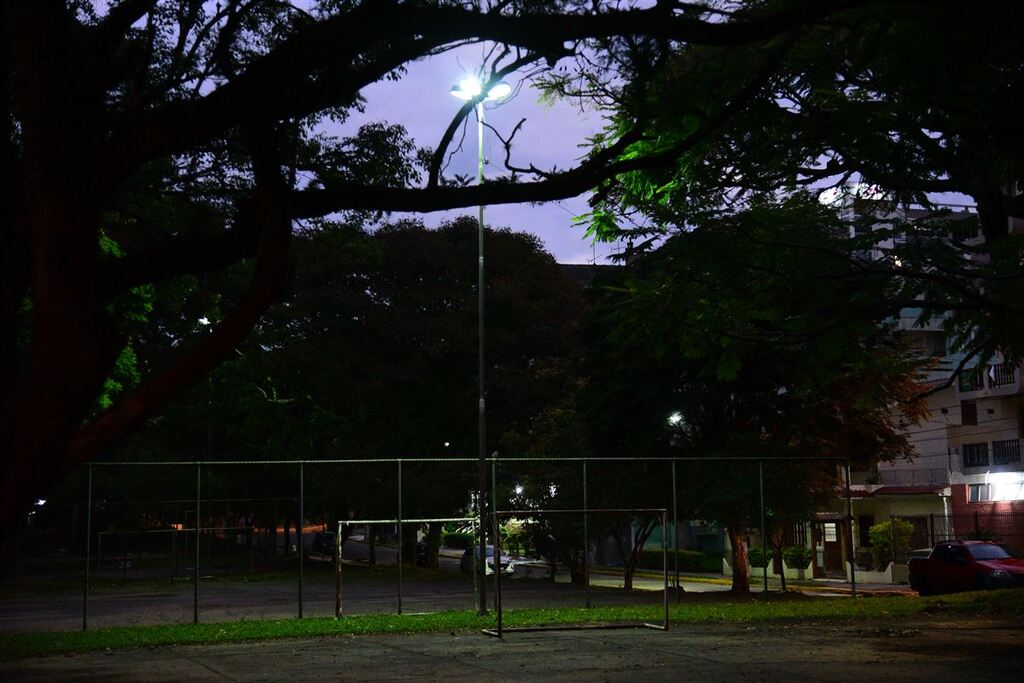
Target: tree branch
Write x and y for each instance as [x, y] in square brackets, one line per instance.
[267, 283]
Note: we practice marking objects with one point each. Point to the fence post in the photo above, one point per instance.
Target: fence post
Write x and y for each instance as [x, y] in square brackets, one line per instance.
[302, 528]
[892, 540]
[400, 544]
[195, 569]
[337, 572]
[764, 529]
[586, 537]
[497, 533]
[675, 526]
[88, 547]
[849, 531]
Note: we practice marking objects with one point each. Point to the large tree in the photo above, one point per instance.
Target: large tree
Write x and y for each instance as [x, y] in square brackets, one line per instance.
[892, 106]
[717, 344]
[210, 110]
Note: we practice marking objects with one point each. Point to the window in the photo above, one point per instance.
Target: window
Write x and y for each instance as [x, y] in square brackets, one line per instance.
[831, 532]
[972, 380]
[975, 454]
[979, 493]
[864, 524]
[968, 413]
[1005, 452]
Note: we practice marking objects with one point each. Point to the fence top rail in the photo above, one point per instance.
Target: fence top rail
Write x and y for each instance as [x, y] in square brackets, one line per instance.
[356, 461]
[578, 511]
[423, 520]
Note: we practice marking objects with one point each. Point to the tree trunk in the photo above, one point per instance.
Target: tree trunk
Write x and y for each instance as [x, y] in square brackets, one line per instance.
[740, 570]
[371, 544]
[434, 543]
[408, 540]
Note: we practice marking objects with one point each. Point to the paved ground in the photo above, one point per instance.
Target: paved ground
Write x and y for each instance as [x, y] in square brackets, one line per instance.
[233, 601]
[919, 650]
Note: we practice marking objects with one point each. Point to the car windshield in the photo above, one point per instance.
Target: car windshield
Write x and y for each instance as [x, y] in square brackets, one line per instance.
[987, 551]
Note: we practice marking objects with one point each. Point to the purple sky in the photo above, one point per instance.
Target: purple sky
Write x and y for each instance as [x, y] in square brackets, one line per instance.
[551, 136]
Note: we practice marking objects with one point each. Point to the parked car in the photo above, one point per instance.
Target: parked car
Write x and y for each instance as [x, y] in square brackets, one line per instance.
[469, 558]
[963, 566]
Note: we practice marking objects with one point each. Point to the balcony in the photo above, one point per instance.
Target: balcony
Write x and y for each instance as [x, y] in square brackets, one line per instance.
[1001, 375]
[972, 380]
[1006, 452]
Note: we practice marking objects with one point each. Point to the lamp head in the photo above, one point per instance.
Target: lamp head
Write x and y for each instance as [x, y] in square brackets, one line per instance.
[469, 88]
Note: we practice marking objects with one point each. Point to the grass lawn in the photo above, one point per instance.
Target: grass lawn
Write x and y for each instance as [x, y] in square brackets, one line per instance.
[1007, 604]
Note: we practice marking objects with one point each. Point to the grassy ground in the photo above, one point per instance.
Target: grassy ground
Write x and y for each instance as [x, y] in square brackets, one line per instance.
[1007, 604]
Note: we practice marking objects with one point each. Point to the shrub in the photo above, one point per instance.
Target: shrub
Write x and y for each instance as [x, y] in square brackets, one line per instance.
[689, 561]
[758, 557]
[890, 540]
[797, 556]
[459, 539]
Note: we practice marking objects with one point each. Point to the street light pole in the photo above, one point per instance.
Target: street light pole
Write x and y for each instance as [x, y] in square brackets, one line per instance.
[470, 89]
[482, 400]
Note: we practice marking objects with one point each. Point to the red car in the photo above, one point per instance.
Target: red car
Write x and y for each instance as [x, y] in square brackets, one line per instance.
[964, 566]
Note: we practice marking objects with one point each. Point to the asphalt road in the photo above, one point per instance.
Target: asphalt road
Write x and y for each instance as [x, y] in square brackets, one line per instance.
[234, 600]
[933, 650]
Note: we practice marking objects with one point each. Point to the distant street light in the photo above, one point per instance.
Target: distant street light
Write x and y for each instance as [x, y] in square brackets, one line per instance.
[470, 89]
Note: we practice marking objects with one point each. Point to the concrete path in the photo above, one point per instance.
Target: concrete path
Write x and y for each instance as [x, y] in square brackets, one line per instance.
[901, 651]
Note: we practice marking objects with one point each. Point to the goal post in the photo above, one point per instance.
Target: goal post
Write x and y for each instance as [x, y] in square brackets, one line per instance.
[500, 629]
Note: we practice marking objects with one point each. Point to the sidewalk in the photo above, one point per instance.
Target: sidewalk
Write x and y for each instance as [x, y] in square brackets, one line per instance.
[822, 586]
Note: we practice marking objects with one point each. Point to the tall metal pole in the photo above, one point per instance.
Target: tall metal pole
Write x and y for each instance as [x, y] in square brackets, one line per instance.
[400, 539]
[675, 527]
[88, 544]
[586, 539]
[849, 531]
[195, 569]
[337, 572]
[482, 404]
[496, 537]
[302, 527]
[764, 529]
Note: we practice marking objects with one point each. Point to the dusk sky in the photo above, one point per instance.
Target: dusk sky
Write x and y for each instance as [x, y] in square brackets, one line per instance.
[551, 136]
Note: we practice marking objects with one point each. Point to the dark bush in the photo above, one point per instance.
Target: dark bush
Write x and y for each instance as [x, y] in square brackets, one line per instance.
[689, 561]
[459, 539]
[797, 556]
[758, 558]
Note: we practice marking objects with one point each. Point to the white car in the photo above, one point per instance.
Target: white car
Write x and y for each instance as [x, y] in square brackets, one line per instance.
[468, 557]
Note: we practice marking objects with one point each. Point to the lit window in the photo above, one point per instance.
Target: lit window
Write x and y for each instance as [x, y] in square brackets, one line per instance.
[979, 493]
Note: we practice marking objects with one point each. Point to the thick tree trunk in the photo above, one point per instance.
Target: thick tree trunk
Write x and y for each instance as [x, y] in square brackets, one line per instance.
[434, 543]
[408, 541]
[740, 570]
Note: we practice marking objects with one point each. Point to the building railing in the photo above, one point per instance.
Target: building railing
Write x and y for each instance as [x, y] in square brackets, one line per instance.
[972, 380]
[1006, 452]
[975, 454]
[1001, 375]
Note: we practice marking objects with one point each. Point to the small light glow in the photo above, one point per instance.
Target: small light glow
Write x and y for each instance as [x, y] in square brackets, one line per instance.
[675, 418]
[446, 444]
[204, 321]
[553, 490]
[519, 489]
[41, 502]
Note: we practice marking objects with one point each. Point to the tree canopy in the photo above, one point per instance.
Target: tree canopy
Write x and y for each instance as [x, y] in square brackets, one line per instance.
[713, 345]
[192, 136]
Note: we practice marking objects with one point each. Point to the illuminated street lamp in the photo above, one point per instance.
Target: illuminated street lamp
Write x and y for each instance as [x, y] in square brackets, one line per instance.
[470, 89]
